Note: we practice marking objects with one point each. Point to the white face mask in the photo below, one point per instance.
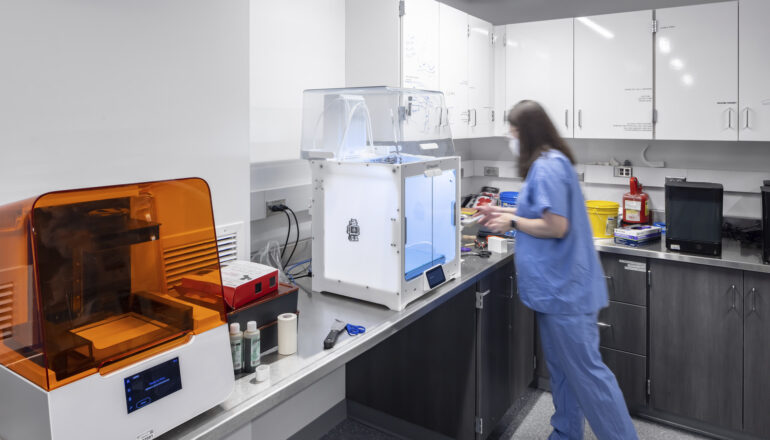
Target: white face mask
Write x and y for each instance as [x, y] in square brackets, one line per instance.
[513, 145]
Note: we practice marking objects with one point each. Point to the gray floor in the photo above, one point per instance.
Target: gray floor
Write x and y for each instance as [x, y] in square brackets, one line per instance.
[533, 423]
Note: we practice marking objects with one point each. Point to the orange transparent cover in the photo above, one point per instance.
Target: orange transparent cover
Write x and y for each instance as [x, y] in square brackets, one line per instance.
[91, 279]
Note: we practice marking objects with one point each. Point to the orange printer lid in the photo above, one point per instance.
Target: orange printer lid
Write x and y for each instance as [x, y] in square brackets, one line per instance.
[90, 279]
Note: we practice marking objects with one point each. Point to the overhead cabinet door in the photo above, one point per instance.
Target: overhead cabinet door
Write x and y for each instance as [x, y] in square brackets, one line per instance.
[453, 70]
[539, 67]
[696, 72]
[613, 76]
[420, 45]
[480, 77]
[754, 70]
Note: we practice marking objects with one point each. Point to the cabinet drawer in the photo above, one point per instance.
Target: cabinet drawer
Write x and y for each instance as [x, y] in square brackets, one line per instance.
[631, 372]
[624, 327]
[626, 278]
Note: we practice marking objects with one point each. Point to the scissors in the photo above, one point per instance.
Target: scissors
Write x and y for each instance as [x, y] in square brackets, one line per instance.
[355, 329]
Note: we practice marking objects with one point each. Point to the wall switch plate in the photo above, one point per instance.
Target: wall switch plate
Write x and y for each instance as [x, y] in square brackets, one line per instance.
[491, 171]
[272, 203]
[623, 171]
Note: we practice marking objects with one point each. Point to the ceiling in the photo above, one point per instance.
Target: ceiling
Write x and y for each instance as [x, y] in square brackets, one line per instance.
[517, 11]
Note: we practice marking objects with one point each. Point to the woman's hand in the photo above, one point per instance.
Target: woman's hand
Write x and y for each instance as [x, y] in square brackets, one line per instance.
[497, 221]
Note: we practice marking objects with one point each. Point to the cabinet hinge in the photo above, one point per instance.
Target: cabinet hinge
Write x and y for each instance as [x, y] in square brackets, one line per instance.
[480, 299]
[492, 38]
[493, 116]
[479, 425]
[654, 26]
[401, 8]
[534, 363]
[468, 30]
[505, 40]
[649, 386]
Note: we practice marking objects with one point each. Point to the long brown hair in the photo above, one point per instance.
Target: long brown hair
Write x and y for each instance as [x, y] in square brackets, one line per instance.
[537, 134]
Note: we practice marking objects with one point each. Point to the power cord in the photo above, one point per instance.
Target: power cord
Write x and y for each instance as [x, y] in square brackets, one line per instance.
[286, 210]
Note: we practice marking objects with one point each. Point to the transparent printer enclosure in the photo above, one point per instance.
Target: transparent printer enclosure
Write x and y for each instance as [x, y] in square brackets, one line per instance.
[385, 192]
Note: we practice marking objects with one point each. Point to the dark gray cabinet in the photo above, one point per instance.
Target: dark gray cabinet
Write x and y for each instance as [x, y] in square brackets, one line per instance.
[505, 344]
[426, 373]
[756, 338]
[626, 278]
[455, 372]
[696, 342]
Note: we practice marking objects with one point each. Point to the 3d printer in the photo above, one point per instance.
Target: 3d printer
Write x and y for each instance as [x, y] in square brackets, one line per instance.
[385, 190]
[99, 339]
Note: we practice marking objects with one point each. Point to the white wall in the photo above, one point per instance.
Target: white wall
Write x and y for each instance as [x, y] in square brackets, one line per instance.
[99, 92]
[295, 45]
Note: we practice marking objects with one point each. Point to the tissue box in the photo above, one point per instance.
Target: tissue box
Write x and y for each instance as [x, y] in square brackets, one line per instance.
[497, 244]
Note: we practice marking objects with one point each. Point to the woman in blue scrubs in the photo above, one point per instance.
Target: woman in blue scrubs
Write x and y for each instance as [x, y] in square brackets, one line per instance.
[560, 278]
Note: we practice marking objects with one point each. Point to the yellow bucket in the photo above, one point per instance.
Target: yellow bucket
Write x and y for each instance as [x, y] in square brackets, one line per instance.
[603, 216]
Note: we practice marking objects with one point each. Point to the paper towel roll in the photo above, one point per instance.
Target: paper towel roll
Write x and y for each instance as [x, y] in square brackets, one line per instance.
[287, 333]
[263, 373]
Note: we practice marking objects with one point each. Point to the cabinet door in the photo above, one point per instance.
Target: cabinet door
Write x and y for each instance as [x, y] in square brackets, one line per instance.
[754, 70]
[480, 78]
[696, 342]
[613, 76]
[539, 68]
[420, 45]
[756, 397]
[696, 72]
[453, 67]
[523, 350]
[425, 373]
[500, 123]
[631, 372]
[495, 341]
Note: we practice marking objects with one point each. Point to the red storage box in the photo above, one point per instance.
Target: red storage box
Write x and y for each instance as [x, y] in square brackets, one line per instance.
[242, 282]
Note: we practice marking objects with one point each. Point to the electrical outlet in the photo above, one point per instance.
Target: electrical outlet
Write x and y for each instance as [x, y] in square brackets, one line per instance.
[272, 203]
[491, 171]
[623, 172]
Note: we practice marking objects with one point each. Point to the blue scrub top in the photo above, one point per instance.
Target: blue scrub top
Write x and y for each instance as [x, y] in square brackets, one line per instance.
[560, 276]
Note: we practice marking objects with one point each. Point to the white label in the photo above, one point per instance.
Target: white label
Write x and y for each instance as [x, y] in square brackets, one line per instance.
[429, 146]
[240, 272]
[675, 247]
[636, 267]
[149, 435]
[254, 359]
[237, 350]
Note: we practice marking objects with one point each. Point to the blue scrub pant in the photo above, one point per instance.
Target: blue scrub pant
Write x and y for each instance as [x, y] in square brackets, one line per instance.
[580, 382]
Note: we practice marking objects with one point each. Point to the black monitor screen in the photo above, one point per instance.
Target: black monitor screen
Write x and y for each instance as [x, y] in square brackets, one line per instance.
[435, 276]
[152, 384]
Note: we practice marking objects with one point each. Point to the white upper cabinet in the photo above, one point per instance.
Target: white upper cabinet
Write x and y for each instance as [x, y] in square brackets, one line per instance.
[453, 67]
[539, 67]
[420, 44]
[481, 79]
[696, 72]
[613, 76]
[500, 123]
[754, 70]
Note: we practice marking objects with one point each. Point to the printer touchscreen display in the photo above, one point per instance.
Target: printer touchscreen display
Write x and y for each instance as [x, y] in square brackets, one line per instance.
[152, 384]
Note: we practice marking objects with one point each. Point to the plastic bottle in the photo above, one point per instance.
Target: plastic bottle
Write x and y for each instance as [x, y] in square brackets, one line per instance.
[236, 346]
[251, 347]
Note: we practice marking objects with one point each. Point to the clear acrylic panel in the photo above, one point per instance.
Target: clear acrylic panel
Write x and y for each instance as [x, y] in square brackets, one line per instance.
[418, 250]
[444, 206]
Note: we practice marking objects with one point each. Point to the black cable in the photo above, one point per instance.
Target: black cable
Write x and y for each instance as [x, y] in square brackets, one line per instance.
[288, 233]
[296, 241]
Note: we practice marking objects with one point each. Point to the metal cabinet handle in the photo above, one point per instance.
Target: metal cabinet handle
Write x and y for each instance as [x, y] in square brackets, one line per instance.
[580, 119]
[753, 300]
[732, 287]
[513, 286]
[566, 118]
[611, 281]
[475, 117]
[603, 325]
[730, 118]
[746, 119]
